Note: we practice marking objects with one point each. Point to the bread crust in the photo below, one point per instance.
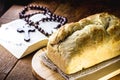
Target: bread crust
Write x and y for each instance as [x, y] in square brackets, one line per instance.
[80, 45]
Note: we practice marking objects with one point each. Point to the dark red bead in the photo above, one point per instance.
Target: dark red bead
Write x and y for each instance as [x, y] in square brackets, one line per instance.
[39, 29]
[37, 23]
[44, 11]
[58, 26]
[46, 34]
[36, 26]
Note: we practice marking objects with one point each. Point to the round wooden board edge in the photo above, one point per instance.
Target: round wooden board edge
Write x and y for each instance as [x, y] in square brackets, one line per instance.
[38, 68]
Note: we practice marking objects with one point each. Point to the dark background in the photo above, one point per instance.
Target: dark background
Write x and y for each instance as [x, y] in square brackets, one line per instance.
[6, 4]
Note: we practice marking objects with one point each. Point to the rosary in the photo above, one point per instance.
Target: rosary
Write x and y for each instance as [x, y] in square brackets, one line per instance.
[32, 25]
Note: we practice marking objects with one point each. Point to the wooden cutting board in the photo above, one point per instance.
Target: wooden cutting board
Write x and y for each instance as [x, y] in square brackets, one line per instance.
[42, 72]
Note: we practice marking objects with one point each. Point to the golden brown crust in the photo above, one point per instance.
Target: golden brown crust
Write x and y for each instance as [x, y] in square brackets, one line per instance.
[85, 43]
[103, 19]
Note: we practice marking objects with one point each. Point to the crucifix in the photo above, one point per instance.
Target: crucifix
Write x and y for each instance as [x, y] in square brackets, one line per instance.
[26, 30]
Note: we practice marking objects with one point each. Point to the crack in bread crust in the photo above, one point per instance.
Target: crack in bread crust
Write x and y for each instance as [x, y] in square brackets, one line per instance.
[96, 37]
[103, 19]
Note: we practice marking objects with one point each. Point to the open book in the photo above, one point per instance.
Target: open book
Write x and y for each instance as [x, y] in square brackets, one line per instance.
[14, 41]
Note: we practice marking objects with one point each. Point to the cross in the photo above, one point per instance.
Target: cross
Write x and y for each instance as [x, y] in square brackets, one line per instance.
[26, 30]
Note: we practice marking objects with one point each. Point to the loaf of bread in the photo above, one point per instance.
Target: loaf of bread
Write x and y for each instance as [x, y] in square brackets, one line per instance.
[83, 44]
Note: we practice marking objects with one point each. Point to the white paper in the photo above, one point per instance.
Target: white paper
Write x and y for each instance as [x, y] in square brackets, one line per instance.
[14, 42]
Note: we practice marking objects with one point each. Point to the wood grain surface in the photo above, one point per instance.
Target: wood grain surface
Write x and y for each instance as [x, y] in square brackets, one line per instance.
[40, 70]
[14, 69]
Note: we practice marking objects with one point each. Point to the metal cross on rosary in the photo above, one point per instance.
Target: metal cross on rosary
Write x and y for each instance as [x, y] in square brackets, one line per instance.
[26, 30]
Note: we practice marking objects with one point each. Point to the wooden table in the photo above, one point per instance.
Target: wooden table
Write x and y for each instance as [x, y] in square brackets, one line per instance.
[14, 69]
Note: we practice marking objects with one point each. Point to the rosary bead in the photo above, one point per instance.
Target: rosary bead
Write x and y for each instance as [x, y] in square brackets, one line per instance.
[61, 20]
[36, 7]
[23, 12]
[32, 23]
[37, 23]
[50, 19]
[46, 34]
[49, 13]
[47, 19]
[45, 11]
[54, 15]
[58, 26]
[65, 20]
[26, 8]
[43, 20]
[27, 19]
[39, 29]
[31, 6]
[39, 7]
[42, 31]
[42, 8]
[36, 26]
